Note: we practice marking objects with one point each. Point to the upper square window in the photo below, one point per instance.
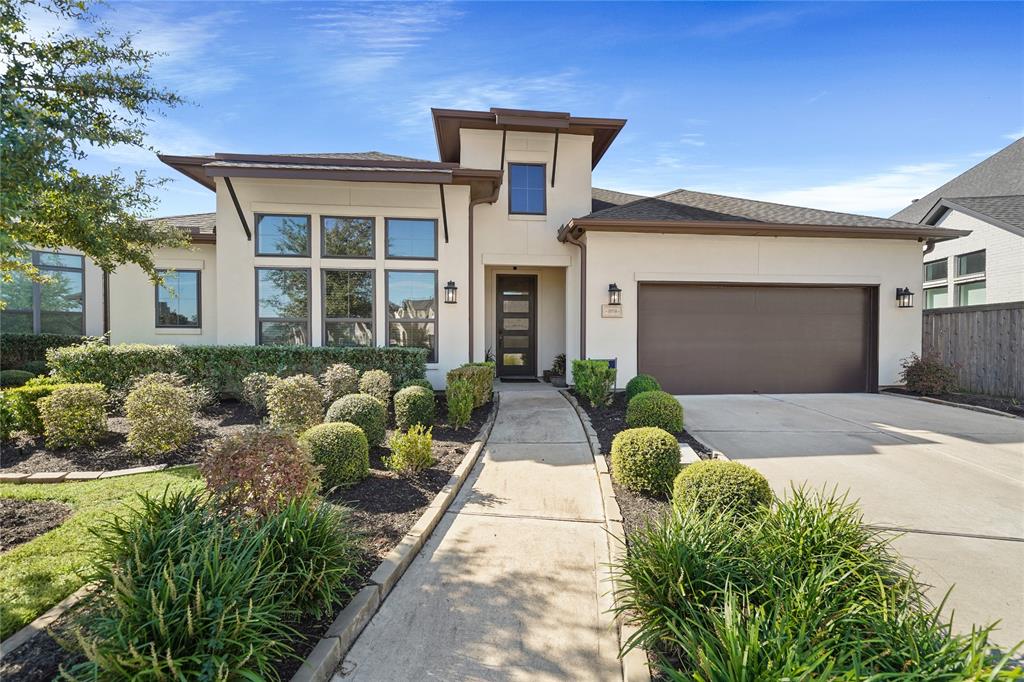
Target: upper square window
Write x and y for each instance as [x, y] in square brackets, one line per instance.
[411, 238]
[970, 264]
[526, 189]
[53, 306]
[347, 237]
[935, 270]
[178, 299]
[282, 235]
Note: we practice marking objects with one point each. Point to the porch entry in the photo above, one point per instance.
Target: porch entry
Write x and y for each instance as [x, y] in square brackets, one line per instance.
[517, 326]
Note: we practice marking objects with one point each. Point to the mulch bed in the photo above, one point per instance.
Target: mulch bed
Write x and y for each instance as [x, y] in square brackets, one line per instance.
[29, 454]
[22, 520]
[40, 659]
[1014, 407]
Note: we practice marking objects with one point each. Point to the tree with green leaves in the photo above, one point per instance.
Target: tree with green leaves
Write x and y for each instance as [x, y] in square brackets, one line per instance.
[63, 93]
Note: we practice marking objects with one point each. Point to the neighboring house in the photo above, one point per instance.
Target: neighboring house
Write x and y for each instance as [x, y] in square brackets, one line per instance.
[986, 266]
[504, 246]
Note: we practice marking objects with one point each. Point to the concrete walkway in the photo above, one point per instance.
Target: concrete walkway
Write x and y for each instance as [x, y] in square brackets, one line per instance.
[511, 585]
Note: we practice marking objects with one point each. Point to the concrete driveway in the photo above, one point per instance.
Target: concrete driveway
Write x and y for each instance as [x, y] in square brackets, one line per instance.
[951, 479]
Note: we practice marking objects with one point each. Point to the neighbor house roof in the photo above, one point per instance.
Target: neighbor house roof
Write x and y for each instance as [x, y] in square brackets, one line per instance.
[606, 198]
[1001, 174]
[1006, 212]
[201, 226]
[699, 212]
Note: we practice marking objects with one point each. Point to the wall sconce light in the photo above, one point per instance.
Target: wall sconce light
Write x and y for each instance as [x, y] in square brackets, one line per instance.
[614, 294]
[904, 297]
[451, 292]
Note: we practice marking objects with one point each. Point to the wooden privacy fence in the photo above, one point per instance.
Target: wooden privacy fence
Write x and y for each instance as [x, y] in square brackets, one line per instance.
[985, 343]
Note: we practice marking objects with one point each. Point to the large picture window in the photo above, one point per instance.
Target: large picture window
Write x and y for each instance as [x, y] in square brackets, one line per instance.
[346, 237]
[178, 299]
[411, 238]
[54, 306]
[282, 306]
[282, 235]
[526, 188]
[348, 307]
[412, 310]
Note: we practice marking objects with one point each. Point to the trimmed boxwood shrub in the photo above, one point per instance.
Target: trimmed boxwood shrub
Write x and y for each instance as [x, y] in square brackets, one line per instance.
[376, 382]
[480, 376]
[594, 380]
[37, 367]
[641, 383]
[161, 418]
[365, 411]
[341, 451]
[8, 422]
[24, 403]
[255, 388]
[419, 382]
[339, 379]
[74, 415]
[655, 408]
[17, 350]
[721, 485]
[414, 405]
[201, 396]
[11, 378]
[645, 460]
[295, 403]
[460, 402]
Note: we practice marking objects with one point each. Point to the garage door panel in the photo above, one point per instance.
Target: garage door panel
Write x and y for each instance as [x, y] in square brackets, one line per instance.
[744, 339]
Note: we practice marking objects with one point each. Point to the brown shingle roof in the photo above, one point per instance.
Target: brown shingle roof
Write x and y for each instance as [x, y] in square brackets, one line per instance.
[193, 223]
[606, 198]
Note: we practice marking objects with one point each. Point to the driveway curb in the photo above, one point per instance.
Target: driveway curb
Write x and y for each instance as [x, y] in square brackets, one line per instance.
[330, 651]
[965, 406]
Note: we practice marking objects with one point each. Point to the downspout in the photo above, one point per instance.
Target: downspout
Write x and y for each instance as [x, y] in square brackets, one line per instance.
[929, 246]
[583, 291]
[106, 305]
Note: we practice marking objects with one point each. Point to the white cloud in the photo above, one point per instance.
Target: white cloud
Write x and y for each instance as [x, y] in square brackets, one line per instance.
[692, 139]
[1016, 135]
[760, 21]
[166, 137]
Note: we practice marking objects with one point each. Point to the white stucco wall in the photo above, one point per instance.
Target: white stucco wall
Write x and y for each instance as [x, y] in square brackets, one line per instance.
[133, 299]
[627, 259]
[551, 319]
[1004, 256]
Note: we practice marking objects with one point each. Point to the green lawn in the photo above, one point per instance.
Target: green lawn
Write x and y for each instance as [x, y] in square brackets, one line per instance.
[38, 574]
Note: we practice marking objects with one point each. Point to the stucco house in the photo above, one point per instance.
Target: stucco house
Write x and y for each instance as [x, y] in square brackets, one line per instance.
[504, 248]
[986, 266]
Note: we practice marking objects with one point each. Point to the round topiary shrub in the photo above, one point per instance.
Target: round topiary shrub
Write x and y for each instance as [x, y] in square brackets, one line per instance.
[160, 418]
[645, 459]
[414, 405]
[641, 383]
[718, 484]
[74, 415]
[419, 382]
[341, 450]
[376, 382]
[255, 388]
[655, 408]
[37, 367]
[339, 380]
[295, 404]
[365, 411]
[11, 378]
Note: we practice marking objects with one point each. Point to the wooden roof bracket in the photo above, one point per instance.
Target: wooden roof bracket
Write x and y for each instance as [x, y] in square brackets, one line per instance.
[504, 134]
[238, 208]
[554, 160]
[444, 212]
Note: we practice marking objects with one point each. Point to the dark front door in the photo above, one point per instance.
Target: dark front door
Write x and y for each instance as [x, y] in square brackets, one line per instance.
[517, 326]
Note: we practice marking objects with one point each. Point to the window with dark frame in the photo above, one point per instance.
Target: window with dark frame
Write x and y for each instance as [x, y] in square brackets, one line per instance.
[348, 307]
[282, 306]
[411, 238]
[179, 300]
[970, 264]
[282, 235]
[935, 270]
[412, 309]
[55, 306]
[344, 237]
[527, 188]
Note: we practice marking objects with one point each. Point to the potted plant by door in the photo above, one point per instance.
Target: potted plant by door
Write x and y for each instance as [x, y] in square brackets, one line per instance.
[558, 371]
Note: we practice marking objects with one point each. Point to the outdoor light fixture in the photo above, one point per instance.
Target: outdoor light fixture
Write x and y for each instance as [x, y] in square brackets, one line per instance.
[614, 294]
[451, 292]
[904, 297]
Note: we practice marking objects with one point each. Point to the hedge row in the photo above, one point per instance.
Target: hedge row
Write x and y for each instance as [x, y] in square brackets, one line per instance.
[480, 375]
[222, 368]
[16, 350]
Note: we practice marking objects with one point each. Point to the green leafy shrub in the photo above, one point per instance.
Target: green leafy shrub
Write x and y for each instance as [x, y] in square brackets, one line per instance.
[295, 403]
[645, 460]
[641, 383]
[8, 422]
[255, 388]
[258, 471]
[74, 415]
[37, 367]
[341, 451]
[365, 411]
[161, 418]
[655, 408]
[594, 380]
[927, 375]
[419, 382]
[339, 380]
[224, 367]
[377, 383]
[24, 402]
[480, 376]
[10, 378]
[803, 591]
[460, 402]
[17, 350]
[721, 485]
[414, 405]
[558, 365]
[199, 395]
[411, 452]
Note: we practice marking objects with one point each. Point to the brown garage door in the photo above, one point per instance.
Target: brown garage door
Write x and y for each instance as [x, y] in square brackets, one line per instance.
[758, 339]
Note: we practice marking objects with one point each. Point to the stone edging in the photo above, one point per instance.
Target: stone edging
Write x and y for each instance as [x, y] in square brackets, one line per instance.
[964, 406]
[634, 663]
[44, 621]
[68, 476]
[350, 621]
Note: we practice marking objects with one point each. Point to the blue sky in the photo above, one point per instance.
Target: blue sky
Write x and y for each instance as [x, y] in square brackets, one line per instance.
[848, 106]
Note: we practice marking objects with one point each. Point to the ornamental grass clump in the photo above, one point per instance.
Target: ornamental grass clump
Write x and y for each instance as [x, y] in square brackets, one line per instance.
[161, 418]
[365, 411]
[460, 402]
[729, 487]
[376, 382]
[255, 388]
[414, 405]
[74, 415]
[802, 590]
[340, 450]
[655, 408]
[295, 404]
[645, 460]
[641, 383]
[411, 452]
[339, 380]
